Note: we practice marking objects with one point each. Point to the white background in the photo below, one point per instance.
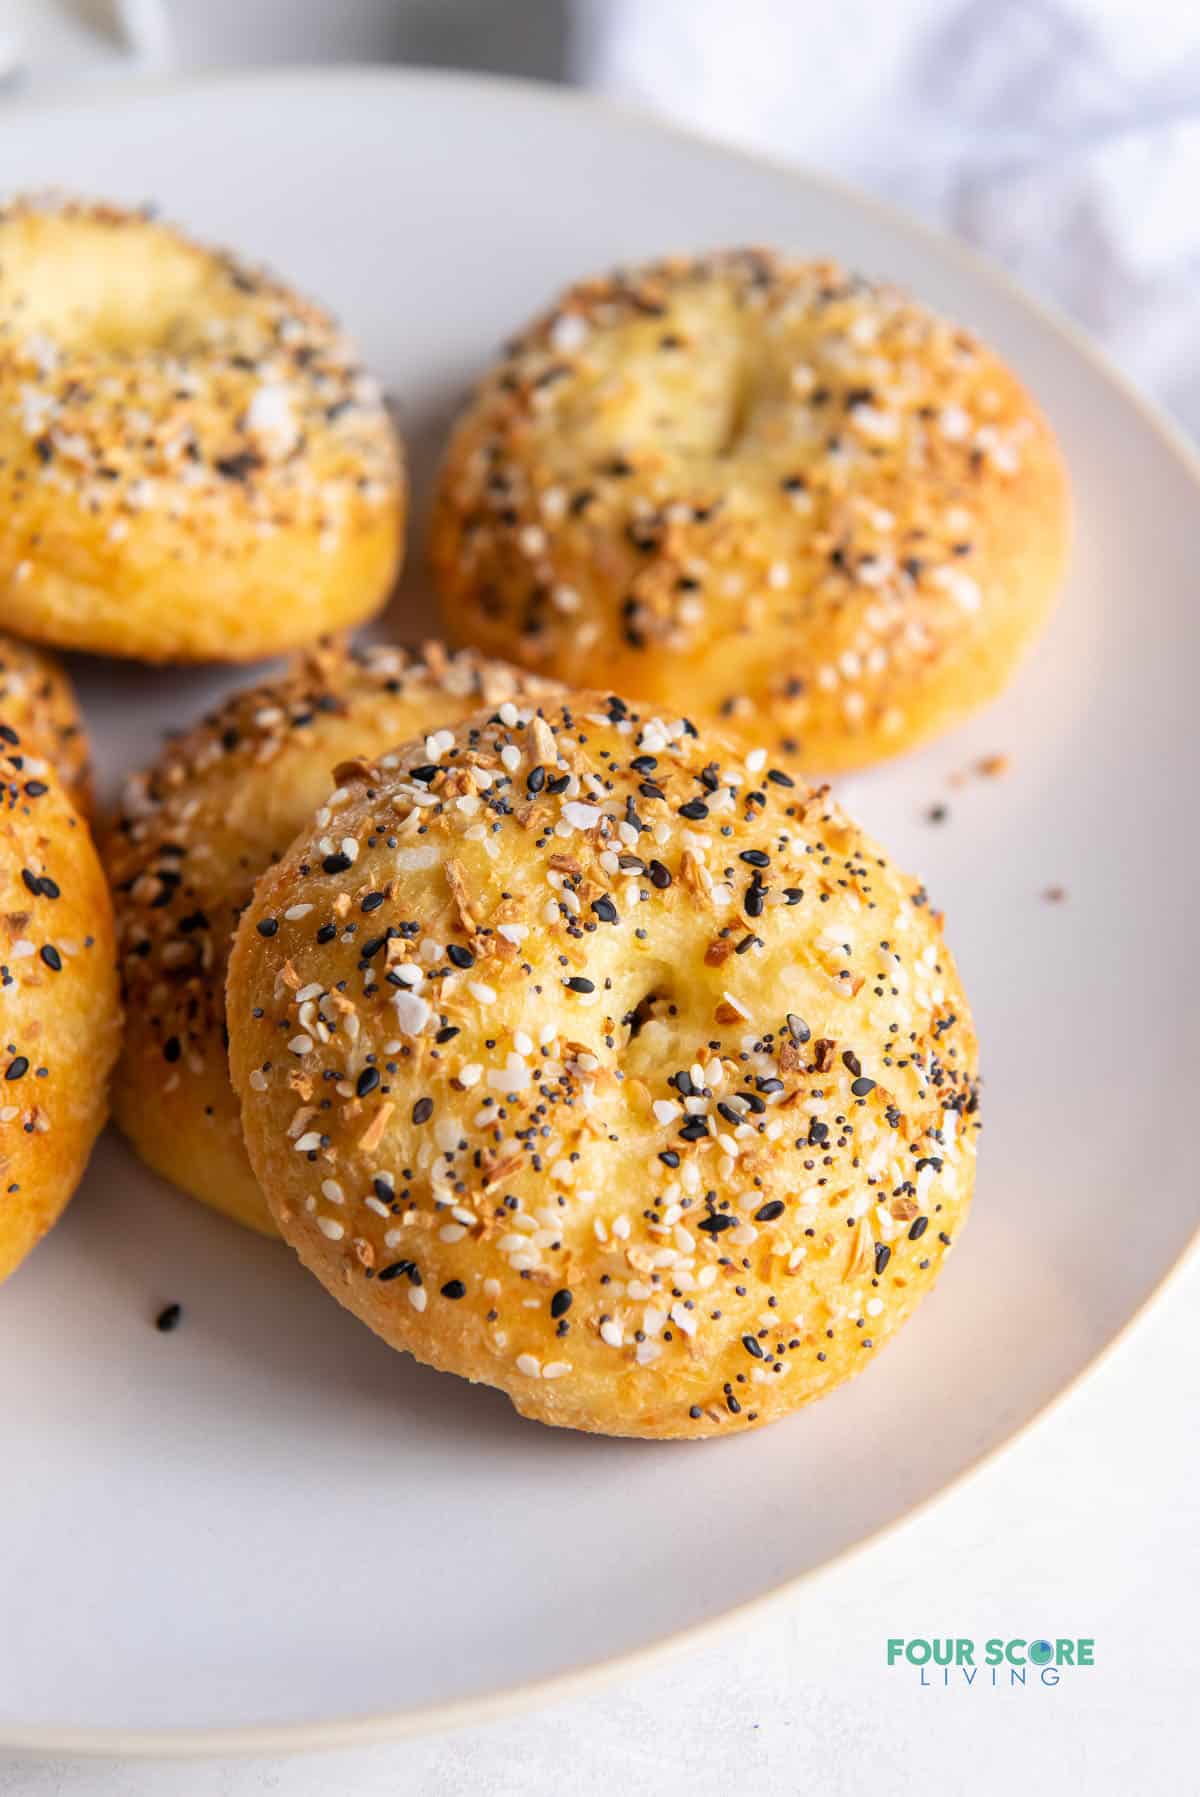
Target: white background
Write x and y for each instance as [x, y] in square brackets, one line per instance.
[1088, 1525]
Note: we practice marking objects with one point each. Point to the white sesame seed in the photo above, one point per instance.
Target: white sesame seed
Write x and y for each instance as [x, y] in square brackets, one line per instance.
[569, 332]
[331, 1227]
[961, 587]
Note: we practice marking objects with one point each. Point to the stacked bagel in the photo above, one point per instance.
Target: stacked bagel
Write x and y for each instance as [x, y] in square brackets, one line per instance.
[574, 1039]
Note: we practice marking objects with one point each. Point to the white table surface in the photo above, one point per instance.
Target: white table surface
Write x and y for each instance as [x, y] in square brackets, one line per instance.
[1089, 1525]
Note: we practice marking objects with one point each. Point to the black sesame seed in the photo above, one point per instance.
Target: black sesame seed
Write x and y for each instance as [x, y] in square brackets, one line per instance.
[767, 1213]
[577, 983]
[367, 1081]
[17, 1068]
[561, 1303]
[461, 957]
[169, 1318]
[860, 1087]
[422, 1111]
[752, 1347]
[716, 1224]
[659, 875]
[454, 1288]
[605, 910]
[397, 1270]
[267, 926]
[52, 958]
[917, 1228]
[882, 1255]
[336, 864]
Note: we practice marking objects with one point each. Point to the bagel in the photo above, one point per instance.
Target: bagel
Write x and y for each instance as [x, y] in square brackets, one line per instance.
[822, 512]
[38, 701]
[60, 1004]
[650, 1100]
[193, 464]
[192, 835]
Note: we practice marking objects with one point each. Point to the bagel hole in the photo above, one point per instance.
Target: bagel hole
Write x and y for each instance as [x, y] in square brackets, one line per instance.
[652, 1031]
[111, 289]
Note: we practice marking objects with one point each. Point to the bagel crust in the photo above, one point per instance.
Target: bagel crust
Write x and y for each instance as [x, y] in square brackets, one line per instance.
[647, 1094]
[58, 997]
[193, 463]
[38, 701]
[193, 834]
[814, 507]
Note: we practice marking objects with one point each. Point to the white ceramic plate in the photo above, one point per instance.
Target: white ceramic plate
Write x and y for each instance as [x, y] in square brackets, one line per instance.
[266, 1529]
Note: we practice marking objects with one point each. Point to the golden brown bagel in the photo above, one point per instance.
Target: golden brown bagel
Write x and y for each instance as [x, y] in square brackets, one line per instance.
[193, 464]
[38, 702]
[58, 997]
[194, 833]
[656, 1108]
[800, 499]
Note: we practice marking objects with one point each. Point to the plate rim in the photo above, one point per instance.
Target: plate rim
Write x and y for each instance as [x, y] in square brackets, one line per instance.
[378, 1727]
